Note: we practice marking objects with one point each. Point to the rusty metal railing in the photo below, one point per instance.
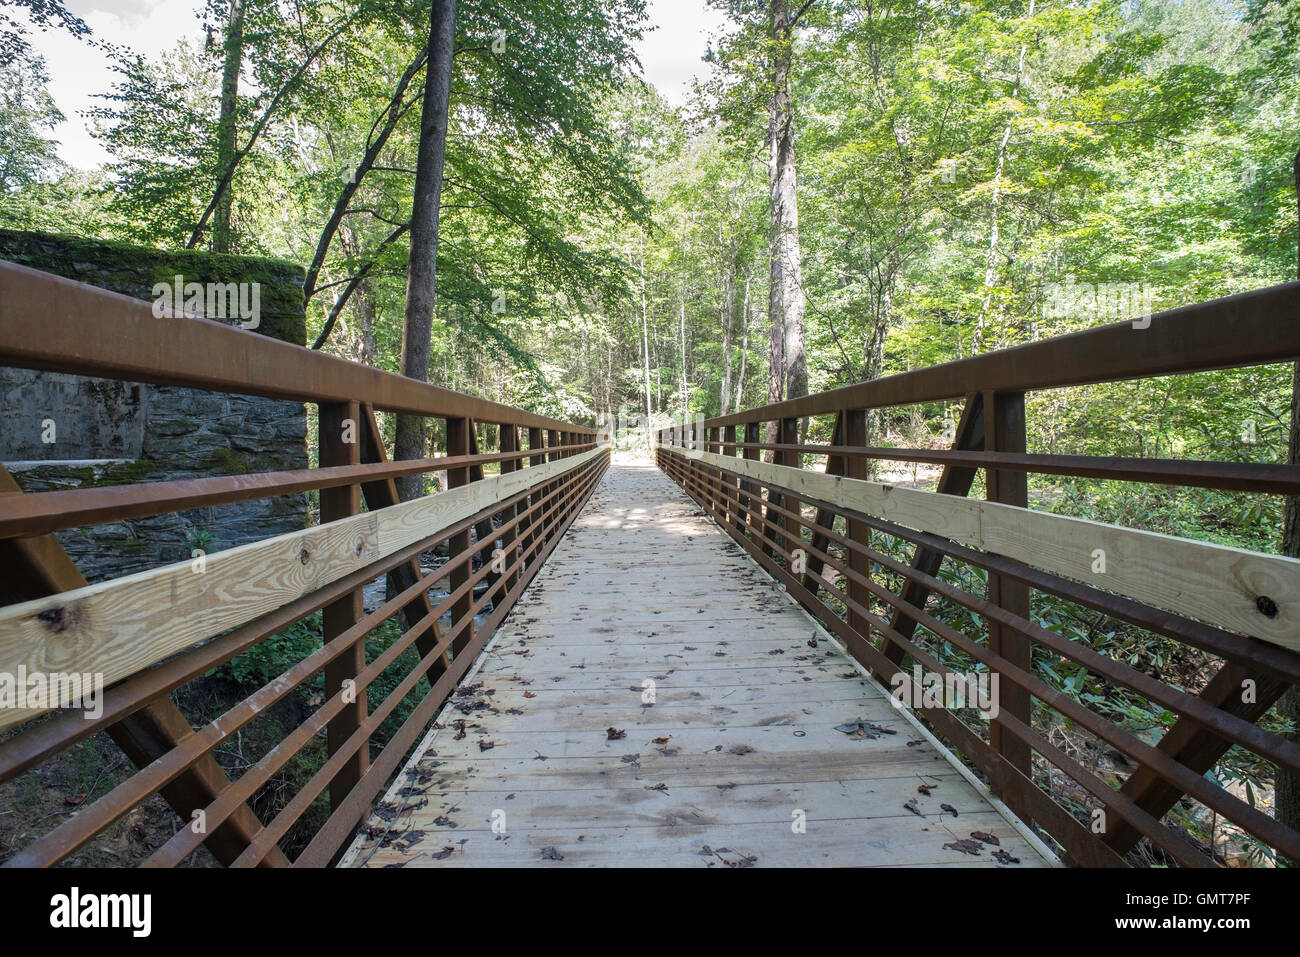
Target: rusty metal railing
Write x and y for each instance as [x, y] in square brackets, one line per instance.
[911, 579]
[150, 636]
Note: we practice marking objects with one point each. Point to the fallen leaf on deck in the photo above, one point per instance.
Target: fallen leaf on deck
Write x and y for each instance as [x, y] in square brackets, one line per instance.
[863, 729]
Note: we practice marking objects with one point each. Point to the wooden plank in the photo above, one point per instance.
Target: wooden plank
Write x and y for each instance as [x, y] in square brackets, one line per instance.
[116, 628]
[682, 842]
[1217, 584]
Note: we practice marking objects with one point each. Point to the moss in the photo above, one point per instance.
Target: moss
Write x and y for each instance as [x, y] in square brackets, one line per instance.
[129, 546]
[125, 473]
[134, 270]
[83, 474]
[228, 462]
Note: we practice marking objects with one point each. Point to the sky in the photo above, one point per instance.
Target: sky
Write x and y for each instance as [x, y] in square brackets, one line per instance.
[670, 55]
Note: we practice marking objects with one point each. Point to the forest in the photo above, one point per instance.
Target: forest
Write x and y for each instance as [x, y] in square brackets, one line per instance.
[852, 189]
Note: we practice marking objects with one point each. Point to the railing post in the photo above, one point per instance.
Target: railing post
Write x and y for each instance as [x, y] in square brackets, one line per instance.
[854, 429]
[339, 428]
[787, 434]
[509, 442]
[458, 443]
[1004, 431]
[688, 440]
[953, 480]
[737, 516]
[552, 441]
[711, 494]
[755, 497]
[528, 528]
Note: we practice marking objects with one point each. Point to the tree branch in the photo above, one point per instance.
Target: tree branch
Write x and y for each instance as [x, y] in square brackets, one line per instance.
[265, 118]
[355, 281]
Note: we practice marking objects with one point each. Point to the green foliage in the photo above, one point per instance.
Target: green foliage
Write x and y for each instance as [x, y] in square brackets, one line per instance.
[27, 116]
[274, 655]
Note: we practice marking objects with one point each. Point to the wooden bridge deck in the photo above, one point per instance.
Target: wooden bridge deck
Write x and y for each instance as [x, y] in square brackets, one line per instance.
[738, 743]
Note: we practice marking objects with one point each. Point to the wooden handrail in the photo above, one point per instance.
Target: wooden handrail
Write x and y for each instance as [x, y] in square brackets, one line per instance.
[48, 322]
[1251, 328]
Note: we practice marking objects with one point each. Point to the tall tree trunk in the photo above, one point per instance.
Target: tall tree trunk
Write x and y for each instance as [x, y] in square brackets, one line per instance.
[744, 348]
[681, 325]
[645, 351]
[787, 261]
[422, 275]
[990, 267]
[728, 321]
[775, 365]
[1287, 793]
[227, 126]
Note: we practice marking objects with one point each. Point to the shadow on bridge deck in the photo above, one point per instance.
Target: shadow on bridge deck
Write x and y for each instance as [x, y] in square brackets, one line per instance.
[655, 699]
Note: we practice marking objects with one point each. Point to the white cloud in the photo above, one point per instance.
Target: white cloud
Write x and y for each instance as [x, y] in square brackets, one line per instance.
[671, 55]
[78, 71]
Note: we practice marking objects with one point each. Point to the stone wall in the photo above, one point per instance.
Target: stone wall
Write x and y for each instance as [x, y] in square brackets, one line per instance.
[107, 432]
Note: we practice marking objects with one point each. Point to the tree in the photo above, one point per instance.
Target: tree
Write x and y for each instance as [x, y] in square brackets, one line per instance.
[27, 114]
[227, 123]
[786, 302]
[422, 273]
[760, 55]
[43, 14]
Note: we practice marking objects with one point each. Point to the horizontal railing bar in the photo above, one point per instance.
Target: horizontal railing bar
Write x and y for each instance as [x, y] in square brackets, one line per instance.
[1267, 745]
[229, 799]
[1199, 473]
[1250, 328]
[1219, 584]
[1179, 847]
[110, 622]
[51, 323]
[35, 513]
